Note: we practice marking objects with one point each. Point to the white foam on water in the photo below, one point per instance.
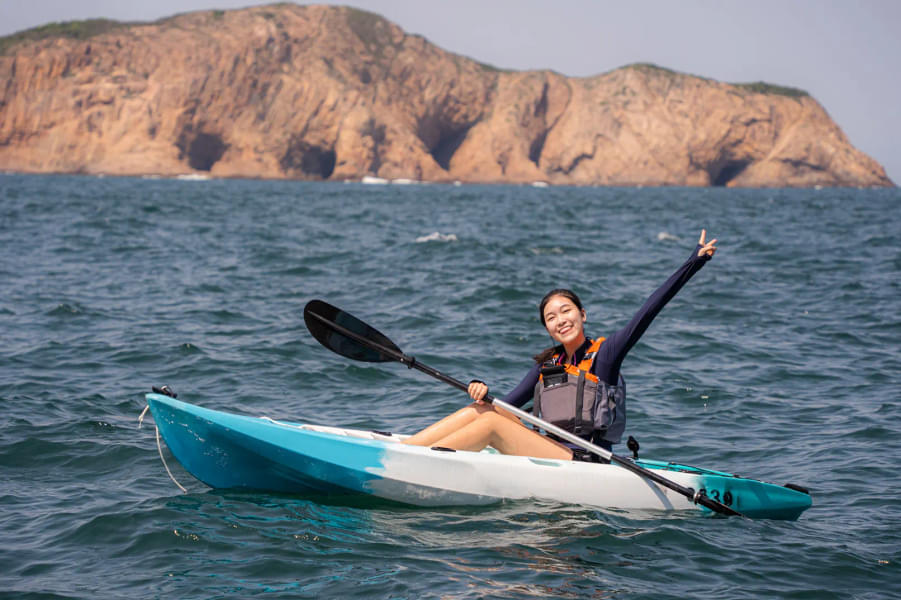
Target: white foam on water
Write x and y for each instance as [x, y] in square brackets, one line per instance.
[436, 236]
[546, 250]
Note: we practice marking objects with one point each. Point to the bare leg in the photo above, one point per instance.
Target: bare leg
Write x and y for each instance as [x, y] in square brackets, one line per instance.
[507, 435]
[448, 425]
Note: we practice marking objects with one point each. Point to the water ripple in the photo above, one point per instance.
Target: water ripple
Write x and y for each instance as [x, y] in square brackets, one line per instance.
[778, 361]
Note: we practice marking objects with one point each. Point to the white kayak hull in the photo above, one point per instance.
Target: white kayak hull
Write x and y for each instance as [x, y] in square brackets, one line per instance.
[225, 450]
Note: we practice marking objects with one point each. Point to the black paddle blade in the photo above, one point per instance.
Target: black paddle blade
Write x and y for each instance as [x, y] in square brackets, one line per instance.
[326, 323]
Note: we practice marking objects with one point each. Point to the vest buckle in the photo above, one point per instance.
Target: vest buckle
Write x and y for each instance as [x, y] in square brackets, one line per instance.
[552, 375]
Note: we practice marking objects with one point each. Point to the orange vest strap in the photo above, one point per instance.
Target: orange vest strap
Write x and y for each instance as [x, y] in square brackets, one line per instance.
[586, 362]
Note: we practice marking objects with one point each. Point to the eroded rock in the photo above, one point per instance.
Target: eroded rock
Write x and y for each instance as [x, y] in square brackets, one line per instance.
[326, 93]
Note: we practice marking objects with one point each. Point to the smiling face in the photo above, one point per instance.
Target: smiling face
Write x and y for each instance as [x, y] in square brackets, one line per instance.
[564, 322]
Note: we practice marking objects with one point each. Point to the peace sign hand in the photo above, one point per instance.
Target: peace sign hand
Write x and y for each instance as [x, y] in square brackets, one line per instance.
[706, 247]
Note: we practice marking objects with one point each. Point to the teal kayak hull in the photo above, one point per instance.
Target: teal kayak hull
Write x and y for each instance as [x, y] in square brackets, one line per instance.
[225, 450]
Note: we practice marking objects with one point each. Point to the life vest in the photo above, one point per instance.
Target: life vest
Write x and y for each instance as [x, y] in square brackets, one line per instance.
[572, 398]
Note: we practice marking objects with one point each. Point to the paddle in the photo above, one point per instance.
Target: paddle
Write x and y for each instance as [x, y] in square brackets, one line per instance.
[348, 336]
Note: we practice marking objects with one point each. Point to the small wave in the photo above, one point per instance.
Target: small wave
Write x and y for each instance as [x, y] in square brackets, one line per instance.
[64, 309]
[436, 236]
[546, 250]
[665, 236]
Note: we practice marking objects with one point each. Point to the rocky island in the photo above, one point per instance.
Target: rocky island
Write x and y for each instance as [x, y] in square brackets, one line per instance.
[336, 93]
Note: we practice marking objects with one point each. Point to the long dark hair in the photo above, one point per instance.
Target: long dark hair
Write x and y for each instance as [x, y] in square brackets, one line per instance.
[548, 353]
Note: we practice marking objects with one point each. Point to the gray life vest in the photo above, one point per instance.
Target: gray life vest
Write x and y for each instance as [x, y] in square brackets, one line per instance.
[572, 398]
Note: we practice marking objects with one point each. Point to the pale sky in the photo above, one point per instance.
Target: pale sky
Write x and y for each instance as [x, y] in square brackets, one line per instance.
[845, 53]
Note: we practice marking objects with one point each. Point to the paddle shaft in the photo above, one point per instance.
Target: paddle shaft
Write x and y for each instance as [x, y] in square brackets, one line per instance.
[412, 363]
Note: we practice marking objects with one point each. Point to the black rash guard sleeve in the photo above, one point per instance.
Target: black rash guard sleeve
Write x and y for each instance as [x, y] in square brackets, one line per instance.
[615, 347]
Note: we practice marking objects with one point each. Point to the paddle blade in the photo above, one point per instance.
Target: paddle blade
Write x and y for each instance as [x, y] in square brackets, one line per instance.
[322, 318]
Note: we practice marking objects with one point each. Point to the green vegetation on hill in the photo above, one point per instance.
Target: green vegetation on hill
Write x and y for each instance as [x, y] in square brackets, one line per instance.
[761, 87]
[79, 30]
[651, 68]
[756, 87]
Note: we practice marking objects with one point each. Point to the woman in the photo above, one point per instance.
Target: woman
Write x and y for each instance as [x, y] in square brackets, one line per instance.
[591, 363]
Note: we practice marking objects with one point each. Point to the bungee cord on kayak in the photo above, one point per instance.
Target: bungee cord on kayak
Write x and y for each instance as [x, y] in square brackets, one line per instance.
[159, 446]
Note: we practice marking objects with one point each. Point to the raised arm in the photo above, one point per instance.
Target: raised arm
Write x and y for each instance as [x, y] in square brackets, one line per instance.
[615, 348]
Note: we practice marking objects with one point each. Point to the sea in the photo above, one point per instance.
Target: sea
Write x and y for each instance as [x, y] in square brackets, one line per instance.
[780, 360]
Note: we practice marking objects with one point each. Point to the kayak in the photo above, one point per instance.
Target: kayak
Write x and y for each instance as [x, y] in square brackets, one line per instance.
[226, 450]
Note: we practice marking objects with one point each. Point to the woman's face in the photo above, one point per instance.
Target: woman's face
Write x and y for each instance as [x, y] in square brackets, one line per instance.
[564, 320]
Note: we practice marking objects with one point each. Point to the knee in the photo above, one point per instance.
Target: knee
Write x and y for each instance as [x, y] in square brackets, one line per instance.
[490, 418]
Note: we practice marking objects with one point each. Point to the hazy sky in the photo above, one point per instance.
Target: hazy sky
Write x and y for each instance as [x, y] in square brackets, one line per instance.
[845, 53]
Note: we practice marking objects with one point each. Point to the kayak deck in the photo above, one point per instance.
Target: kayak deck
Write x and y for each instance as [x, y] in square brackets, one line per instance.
[225, 450]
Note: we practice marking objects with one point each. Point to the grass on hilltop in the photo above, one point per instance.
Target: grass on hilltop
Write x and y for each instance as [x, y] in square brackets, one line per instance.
[762, 87]
[78, 30]
[756, 87]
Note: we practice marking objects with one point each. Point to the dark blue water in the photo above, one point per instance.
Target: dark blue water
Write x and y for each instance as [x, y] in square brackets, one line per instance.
[780, 360]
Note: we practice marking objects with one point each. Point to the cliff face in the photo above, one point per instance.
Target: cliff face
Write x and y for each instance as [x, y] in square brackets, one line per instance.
[316, 92]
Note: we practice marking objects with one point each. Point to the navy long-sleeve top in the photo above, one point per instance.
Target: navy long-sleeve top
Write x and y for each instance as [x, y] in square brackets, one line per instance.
[615, 347]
